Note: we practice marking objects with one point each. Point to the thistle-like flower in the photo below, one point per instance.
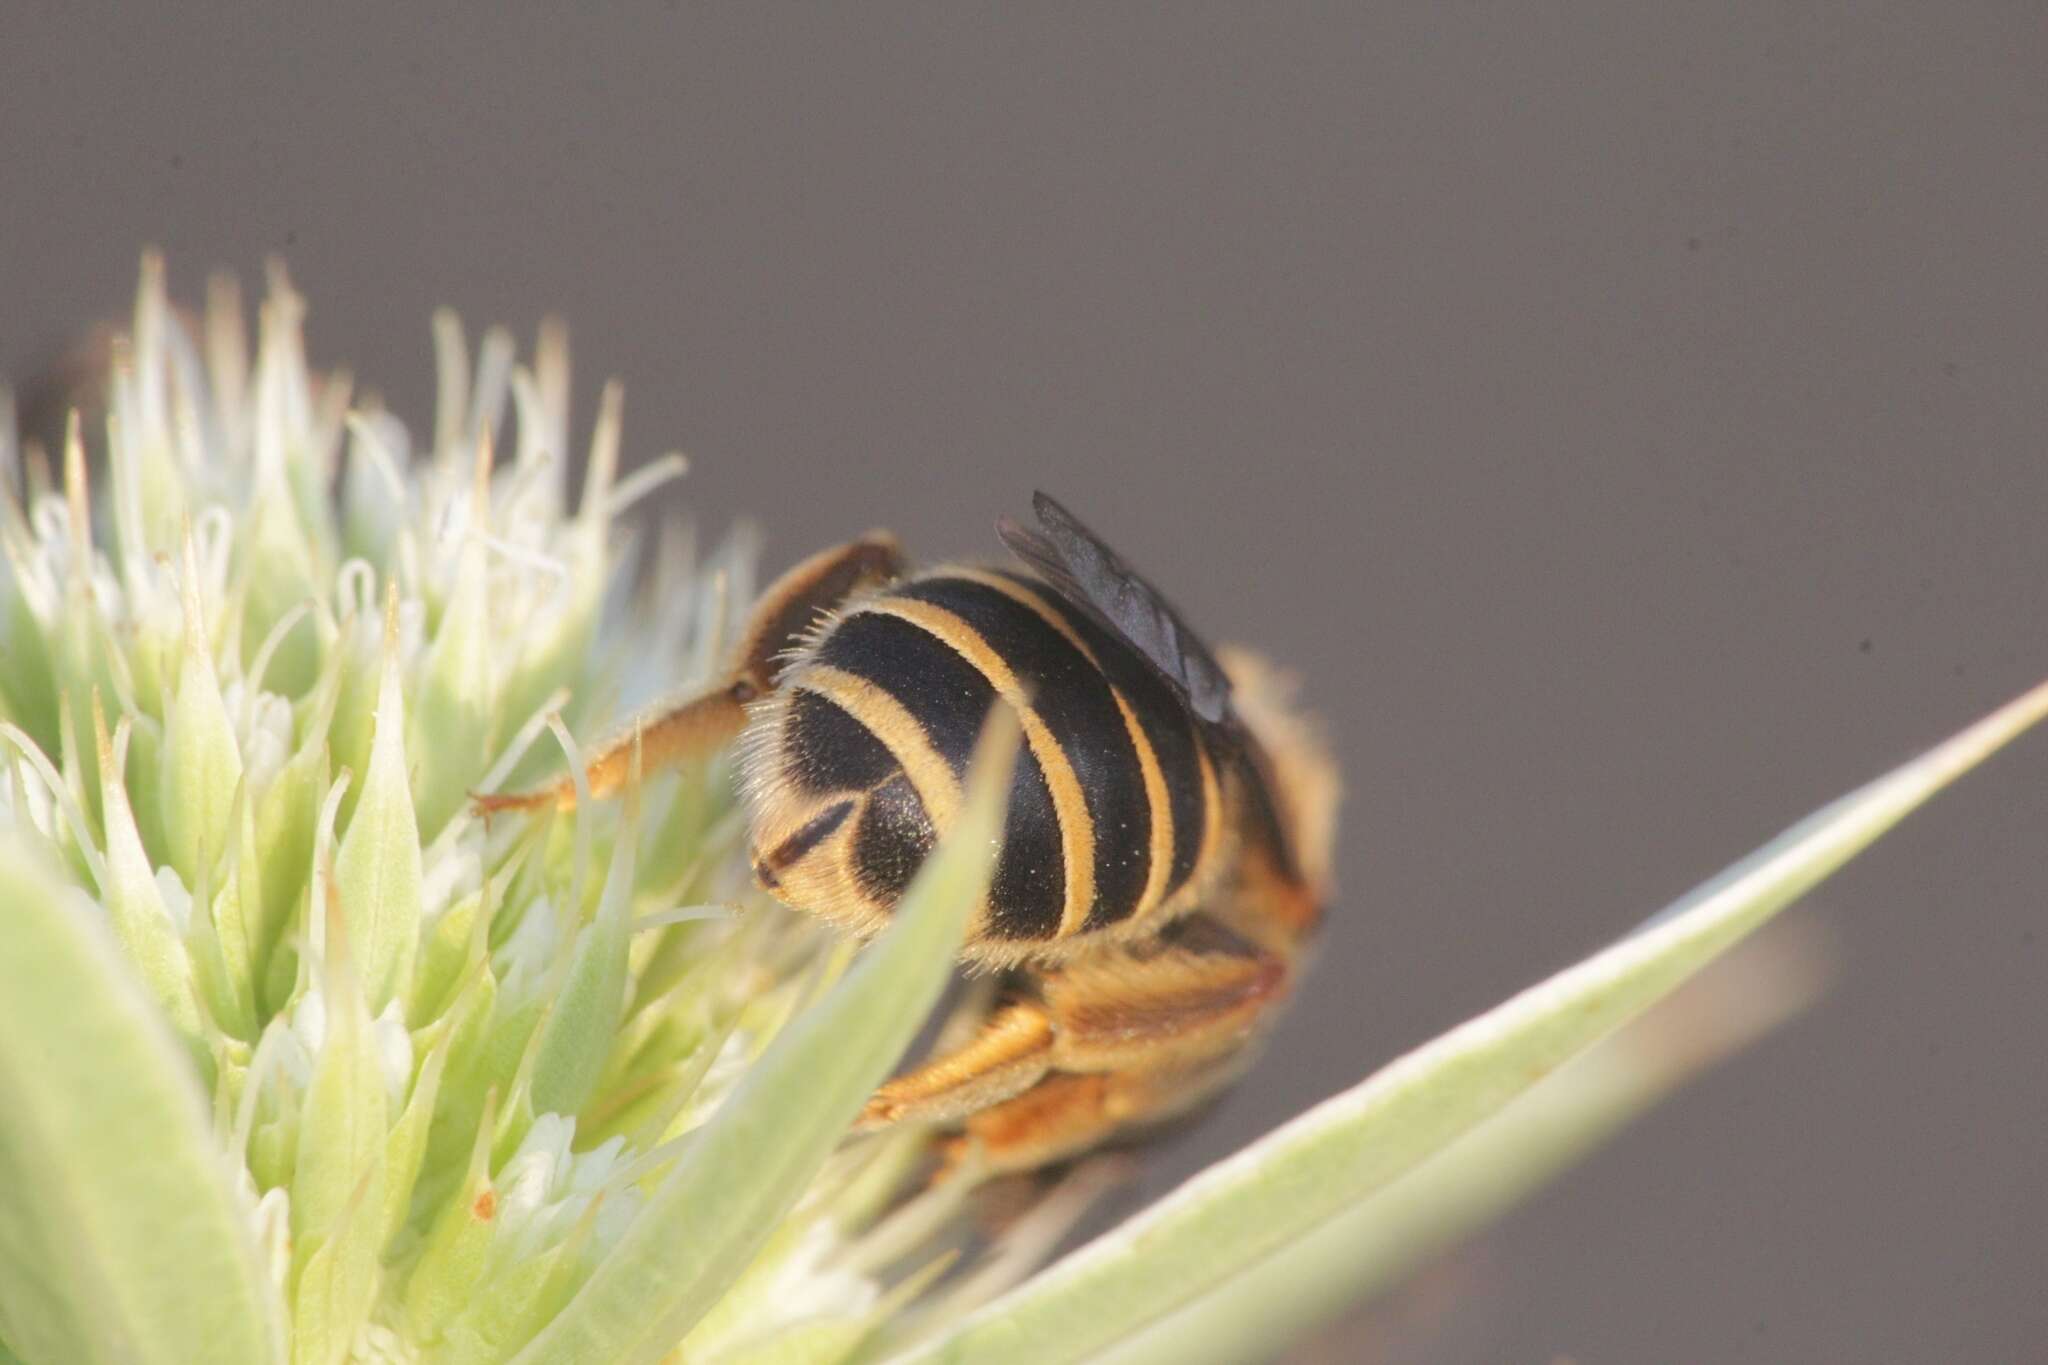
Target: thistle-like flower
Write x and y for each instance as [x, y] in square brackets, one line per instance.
[260, 649]
[306, 1060]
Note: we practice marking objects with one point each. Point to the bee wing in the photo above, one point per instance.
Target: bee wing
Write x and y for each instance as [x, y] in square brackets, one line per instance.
[1087, 573]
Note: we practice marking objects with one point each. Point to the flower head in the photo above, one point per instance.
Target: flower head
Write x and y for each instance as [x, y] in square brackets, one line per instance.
[262, 645]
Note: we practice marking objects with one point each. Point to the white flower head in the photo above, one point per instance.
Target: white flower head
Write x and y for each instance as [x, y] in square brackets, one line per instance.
[263, 648]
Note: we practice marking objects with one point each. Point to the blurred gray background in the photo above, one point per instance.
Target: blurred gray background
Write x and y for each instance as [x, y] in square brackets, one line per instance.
[1630, 420]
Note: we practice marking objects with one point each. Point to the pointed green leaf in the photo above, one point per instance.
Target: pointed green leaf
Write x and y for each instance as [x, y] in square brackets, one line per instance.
[136, 904]
[505, 1311]
[1286, 1186]
[744, 1169]
[1373, 1244]
[466, 1084]
[444, 953]
[406, 1147]
[344, 1123]
[146, 779]
[286, 820]
[29, 680]
[281, 574]
[578, 1034]
[458, 703]
[202, 762]
[378, 871]
[236, 914]
[339, 1282]
[457, 1244]
[357, 653]
[111, 1249]
[228, 1016]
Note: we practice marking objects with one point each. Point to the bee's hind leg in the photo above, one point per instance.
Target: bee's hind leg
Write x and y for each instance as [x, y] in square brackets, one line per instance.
[1009, 1054]
[695, 727]
[1066, 1115]
[1120, 1036]
[664, 739]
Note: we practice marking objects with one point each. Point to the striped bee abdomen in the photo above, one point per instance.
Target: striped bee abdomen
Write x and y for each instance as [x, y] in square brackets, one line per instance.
[1113, 802]
[1069, 695]
[1030, 885]
[936, 690]
[830, 751]
[1186, 773]
[892, 840]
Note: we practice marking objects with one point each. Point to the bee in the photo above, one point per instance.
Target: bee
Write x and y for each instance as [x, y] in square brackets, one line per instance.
[1165, 855]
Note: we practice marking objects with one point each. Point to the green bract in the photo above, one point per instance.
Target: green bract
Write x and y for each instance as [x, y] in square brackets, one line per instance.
[301, 1060]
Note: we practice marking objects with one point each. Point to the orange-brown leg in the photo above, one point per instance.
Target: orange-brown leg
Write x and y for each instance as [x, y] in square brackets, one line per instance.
[1194, 992]
[1120, 1035]
[692, 728]
[1008, 1055]
[1067, 1114]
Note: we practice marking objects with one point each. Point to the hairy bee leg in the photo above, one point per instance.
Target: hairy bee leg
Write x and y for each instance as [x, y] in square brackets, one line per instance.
[679, 733]
[664, 740]
[795, 601]
[1181, 1004]
[1067, 1114]
[1191, 995]
[1008, 1055]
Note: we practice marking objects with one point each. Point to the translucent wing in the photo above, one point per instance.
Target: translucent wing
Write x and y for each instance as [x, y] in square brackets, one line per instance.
[1085, 571]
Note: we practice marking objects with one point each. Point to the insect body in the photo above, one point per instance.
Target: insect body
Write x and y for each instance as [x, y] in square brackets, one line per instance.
[858, 761]
[1165, 851]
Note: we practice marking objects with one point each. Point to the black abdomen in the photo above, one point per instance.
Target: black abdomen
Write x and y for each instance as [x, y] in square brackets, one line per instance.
[1112, 807]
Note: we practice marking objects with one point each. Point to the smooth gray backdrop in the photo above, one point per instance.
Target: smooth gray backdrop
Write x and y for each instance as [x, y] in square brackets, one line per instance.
[1631, 419]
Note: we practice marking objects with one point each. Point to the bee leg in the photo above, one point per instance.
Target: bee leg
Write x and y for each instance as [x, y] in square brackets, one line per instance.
[1066, 1114]
[1142, 1032]
[1192, 992]
[664, 739]
[1008, 1055]
[676, 733]
[1119, 1036]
